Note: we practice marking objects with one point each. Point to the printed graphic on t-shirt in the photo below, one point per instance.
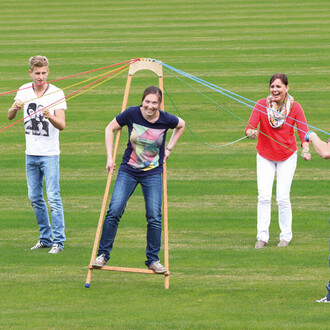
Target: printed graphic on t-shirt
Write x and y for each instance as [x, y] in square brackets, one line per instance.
[36, 124]
[145, 142]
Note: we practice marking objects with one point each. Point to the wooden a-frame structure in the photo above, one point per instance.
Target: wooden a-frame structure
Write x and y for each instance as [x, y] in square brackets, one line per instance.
[142, 64]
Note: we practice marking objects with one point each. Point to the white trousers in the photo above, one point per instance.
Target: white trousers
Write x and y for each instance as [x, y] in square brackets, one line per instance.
[265, 176]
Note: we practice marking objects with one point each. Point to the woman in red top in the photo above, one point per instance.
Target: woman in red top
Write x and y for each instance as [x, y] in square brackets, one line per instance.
[277, 152]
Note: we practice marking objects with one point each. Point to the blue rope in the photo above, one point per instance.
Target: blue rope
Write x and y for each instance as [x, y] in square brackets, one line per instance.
[228, 112]
[221, 91]
[195, 136]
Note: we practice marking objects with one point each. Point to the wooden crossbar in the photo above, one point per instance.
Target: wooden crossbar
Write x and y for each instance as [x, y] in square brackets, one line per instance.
[128, 270]
[143, 64]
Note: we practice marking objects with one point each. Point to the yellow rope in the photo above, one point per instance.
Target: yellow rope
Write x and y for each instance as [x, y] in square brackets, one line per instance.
[102, 82]
[84, 91]
[81, 82]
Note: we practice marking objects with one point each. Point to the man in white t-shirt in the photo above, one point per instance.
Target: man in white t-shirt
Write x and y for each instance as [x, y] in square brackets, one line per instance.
[44, 106]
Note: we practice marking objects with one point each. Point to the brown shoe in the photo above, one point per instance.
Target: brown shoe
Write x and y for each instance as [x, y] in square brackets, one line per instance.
[283, 243]
[260, 244]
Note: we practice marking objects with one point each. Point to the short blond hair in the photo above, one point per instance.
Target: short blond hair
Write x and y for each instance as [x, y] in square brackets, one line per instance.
[39, 61]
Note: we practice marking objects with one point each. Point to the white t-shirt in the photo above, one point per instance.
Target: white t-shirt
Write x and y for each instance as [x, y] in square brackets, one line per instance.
[42, 138]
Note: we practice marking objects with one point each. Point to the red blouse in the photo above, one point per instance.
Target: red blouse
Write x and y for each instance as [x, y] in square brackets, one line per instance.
[266, 146]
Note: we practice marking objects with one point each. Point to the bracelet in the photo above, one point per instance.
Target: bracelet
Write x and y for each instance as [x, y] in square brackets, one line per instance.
[253, 131]
[168, 148]
[307, 135]
[305, 148]
[304, 152]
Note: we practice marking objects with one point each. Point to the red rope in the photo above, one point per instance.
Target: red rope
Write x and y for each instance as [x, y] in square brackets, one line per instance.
[74, 75]
[58, 101]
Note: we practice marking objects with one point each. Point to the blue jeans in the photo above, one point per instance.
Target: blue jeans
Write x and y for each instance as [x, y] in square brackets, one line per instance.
[37, 168]
[152, 188]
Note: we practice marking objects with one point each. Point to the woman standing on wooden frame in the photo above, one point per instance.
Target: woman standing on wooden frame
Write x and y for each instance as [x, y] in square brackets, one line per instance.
[142, 164]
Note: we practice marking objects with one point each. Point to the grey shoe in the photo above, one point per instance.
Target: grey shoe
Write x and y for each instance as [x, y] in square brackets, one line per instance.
[100, 261]
[260, 244]
[323, 300]
[56, 249]
[283, 243]
[157, 267]
[39, 245]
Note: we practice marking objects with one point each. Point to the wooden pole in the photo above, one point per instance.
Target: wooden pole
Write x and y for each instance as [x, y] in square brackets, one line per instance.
[165, 214]
[107, 189]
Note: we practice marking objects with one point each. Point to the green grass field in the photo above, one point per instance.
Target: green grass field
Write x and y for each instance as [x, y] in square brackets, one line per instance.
[217, 278]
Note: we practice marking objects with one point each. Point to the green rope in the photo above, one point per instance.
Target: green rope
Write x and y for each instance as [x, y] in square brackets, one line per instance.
[223, 108]
[199, 92]
[194, 135]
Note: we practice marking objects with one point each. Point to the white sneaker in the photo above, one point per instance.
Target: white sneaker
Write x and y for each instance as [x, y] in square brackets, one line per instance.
[39, 245]
[56, 249]
[157, 267]
[323, 300]
[260, 244]
[99, 261]
[283, 243]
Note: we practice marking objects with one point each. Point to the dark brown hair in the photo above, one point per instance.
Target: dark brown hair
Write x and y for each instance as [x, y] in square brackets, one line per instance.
[153, 90]
[280, 76]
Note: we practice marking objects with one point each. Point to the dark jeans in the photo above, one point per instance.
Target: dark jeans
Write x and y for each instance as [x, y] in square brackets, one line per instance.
[152, 191]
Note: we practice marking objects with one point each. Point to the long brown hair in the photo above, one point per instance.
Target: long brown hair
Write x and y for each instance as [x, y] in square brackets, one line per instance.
[280, 76]
[153, 90]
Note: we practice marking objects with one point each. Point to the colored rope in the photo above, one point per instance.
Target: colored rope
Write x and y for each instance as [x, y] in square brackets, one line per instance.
[228, 111]
[79, 83]
[195, 136]
[219, 90]
[75, 75]
[222, 91]
[73, 93]
[125, 69]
